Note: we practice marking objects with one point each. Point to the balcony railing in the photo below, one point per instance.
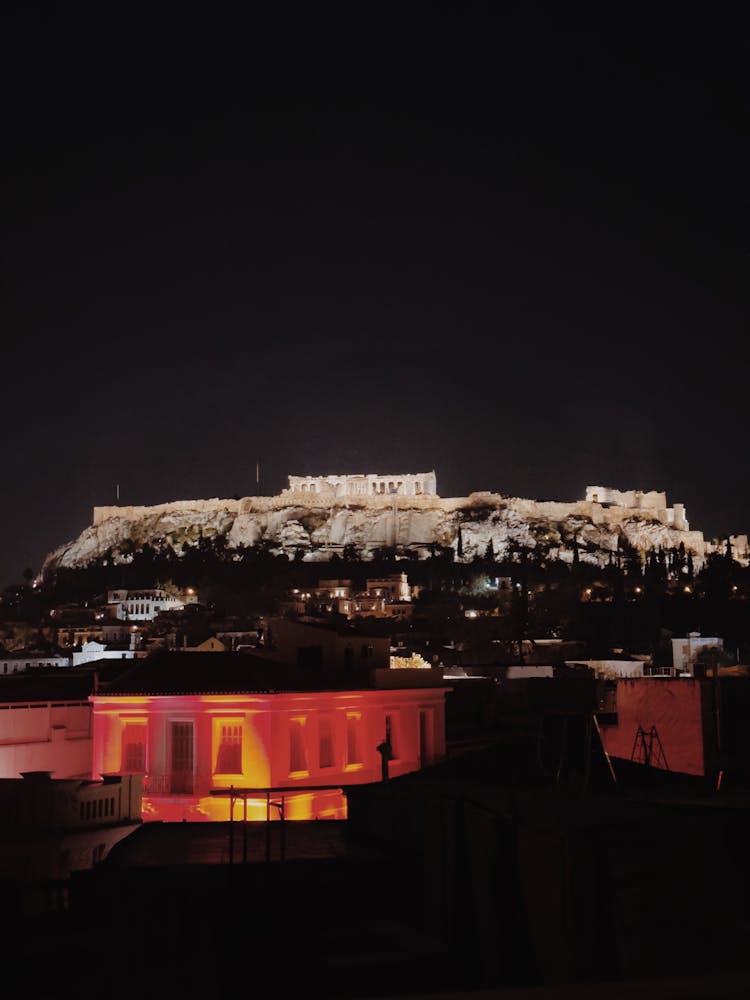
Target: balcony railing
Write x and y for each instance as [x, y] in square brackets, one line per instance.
[176, 782]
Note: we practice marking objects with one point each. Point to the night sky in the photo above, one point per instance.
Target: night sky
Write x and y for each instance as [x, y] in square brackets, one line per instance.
[506, 244]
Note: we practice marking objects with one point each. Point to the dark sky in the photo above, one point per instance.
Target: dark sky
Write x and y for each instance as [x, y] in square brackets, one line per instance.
[506, 243]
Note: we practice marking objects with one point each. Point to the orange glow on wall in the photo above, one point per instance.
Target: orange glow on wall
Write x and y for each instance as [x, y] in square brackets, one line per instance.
[317, 742]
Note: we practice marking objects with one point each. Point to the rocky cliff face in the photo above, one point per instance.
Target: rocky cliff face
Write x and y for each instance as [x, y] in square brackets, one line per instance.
[293, 526]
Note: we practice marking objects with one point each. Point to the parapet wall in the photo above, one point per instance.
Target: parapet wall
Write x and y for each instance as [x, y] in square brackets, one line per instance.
[317, 526]
[637, 499]
[531, 509]
[130, 513]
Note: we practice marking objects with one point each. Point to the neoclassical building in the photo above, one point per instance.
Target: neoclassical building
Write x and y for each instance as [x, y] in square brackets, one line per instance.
[409, 484]
[198, 724]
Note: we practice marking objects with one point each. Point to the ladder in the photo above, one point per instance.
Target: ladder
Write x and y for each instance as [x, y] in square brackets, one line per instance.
[648, 749]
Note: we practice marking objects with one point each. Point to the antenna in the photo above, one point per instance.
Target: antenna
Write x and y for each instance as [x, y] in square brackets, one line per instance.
[117, 490]
[257, 474]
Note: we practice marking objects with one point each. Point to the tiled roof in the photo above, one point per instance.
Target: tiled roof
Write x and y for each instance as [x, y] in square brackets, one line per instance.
[62, 685]
[176, 672]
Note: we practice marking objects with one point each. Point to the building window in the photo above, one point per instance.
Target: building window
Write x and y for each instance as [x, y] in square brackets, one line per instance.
[181, 777]
[134, 747]
[297, 748]
[353, 748]
[391, 733]
[426, 744]
[229, 754]
[326, 741]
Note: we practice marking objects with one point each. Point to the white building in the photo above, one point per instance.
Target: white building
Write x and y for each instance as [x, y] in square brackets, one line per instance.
[145, 605]
[94, 650]
[395, 587]
[685, 651]
[11, 664]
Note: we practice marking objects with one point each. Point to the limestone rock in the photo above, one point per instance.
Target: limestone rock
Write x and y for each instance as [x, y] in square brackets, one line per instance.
[292, 525]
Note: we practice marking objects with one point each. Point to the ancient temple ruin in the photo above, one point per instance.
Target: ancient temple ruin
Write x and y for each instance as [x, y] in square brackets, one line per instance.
[410, 484]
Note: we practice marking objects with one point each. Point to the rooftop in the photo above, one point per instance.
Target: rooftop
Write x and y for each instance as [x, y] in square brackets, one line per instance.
[176, 672]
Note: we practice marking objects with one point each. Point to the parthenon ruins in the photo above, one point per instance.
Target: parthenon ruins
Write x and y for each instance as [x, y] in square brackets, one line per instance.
[371, 484]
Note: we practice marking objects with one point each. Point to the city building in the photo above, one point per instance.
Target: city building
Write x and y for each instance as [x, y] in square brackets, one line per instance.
[52, 827]
[91, 651]
[145, 605]
[12, 663]
[685, 652]
[201, 724]
[388, 597]
[323, 646]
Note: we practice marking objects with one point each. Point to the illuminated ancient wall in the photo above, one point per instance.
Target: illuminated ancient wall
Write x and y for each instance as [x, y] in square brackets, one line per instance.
[314, 526]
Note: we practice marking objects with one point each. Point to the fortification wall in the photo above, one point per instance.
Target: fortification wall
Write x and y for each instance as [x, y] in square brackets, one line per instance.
[637, 499]
[531, 509]
[130, 513]
[319, 525]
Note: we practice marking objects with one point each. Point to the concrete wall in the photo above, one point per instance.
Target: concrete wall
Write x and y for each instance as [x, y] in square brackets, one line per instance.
[287, 637]
[675, 707]
[610, 669]
[130, 513]
[45, 737]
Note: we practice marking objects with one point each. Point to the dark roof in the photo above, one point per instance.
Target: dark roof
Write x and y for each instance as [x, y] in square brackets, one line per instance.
[345, 627]
[62, 685]
[177, 672]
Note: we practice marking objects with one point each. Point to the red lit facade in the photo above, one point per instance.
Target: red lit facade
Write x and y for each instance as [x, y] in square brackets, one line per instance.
[680, 713]
[190, 744]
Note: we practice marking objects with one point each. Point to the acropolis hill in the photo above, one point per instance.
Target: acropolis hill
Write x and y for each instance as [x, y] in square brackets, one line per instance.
[358, 515]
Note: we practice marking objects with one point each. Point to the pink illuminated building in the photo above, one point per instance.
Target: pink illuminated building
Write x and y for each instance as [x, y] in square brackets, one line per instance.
[196, 723]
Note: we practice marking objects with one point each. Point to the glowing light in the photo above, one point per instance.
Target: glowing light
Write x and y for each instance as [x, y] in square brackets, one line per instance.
[413, 662]
[588, 591]
[190, 591]
[637, 590]
[688, 590]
